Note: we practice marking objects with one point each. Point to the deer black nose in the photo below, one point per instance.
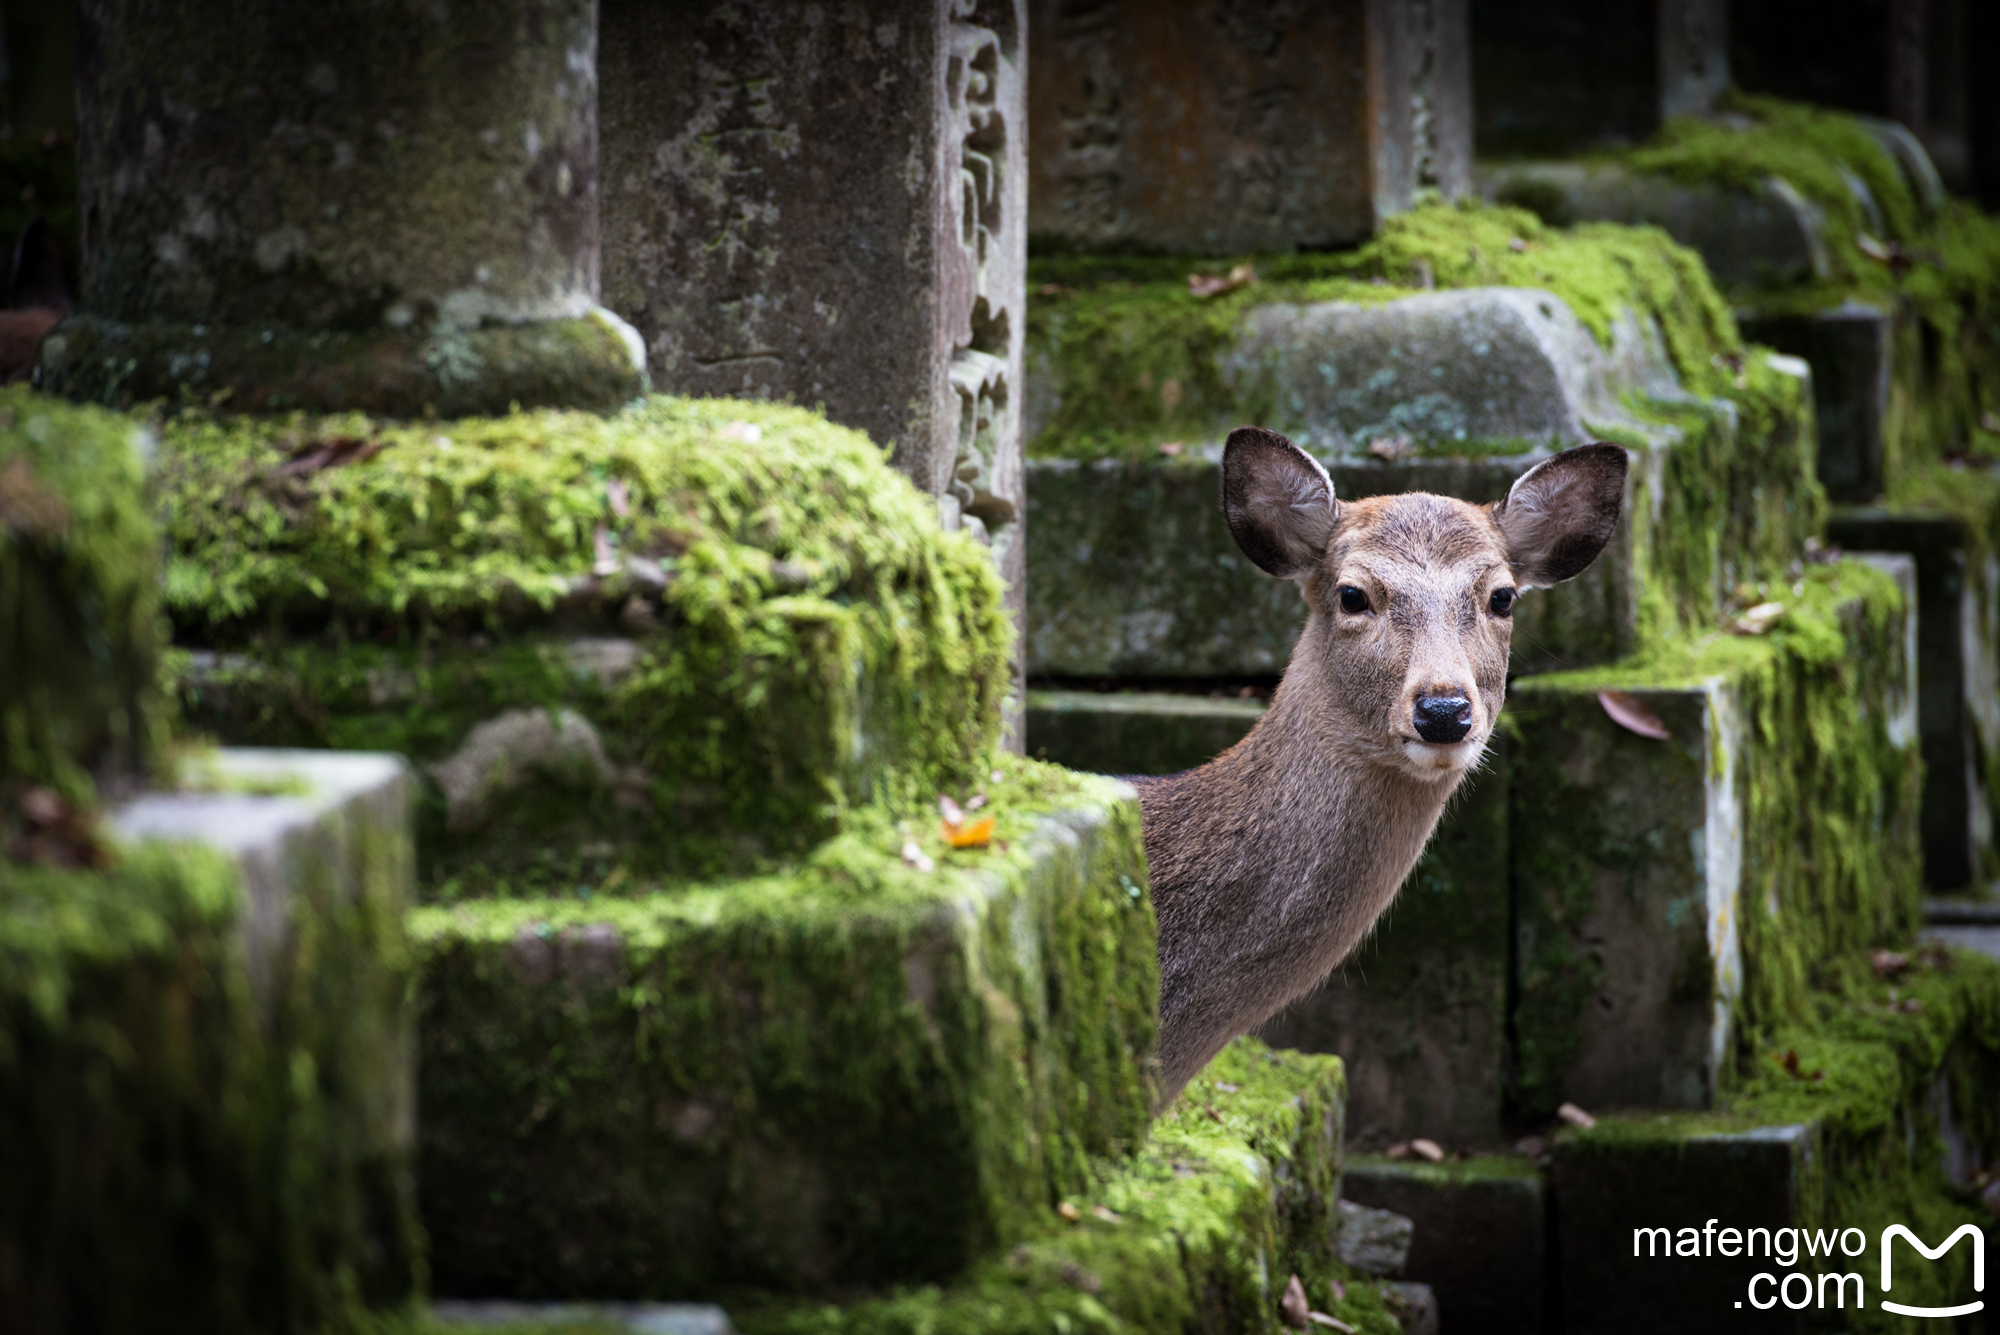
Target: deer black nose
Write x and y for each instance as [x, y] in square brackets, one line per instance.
[1443, 718]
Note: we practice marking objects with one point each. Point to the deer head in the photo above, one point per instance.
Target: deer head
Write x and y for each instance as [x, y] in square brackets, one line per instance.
[1410, 598]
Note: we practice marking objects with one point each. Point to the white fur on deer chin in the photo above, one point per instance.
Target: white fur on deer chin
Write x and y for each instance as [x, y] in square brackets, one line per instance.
[1434, 760]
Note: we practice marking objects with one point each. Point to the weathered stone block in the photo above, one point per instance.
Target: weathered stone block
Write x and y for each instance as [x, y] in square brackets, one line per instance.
[677, 638]
[1135, 732]
[1692, 836]
[1554, 77]
[207, 1062]
[1850, 348]
[1208, 128]
[853, 1072]
[1419, 1012]
[401, 175]
[80, 639]
[1480, 1235]
[1955, 704]
[1766, 237]
[830, 207]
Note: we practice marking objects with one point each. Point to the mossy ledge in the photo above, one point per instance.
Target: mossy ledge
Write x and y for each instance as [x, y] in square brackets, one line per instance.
[855, 1071]
[795, 634]
[80, 627]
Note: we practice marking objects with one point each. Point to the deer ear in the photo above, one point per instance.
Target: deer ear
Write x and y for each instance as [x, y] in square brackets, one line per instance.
[1278, 500]
[1560, 513]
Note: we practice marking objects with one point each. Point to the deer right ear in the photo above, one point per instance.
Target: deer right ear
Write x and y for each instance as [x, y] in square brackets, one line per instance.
[1560, 513]
[1278, 500]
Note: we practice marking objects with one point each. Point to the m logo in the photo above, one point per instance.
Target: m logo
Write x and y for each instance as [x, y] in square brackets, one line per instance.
[1890, 1233]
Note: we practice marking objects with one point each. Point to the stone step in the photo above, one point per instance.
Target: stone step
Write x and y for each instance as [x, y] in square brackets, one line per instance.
[209, 1058]
[854, 1071]
[1691, 835]
[1958, 676]
[1135, 732]
[643, 675]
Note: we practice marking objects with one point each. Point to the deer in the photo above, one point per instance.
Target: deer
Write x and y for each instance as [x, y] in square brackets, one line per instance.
[1270, 863]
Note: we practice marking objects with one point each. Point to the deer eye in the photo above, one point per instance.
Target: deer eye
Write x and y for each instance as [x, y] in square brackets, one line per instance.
[1352, 600]
[1502, 602]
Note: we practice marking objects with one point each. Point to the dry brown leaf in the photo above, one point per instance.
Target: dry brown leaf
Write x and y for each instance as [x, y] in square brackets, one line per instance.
[1428, 1149]
[916, 857]
[1171, 448]
[1293, 1306]
[1576, 1116]
[1070, 1212]
[1888, 963]
[1330, 1322]
[1107, 1214]
[1758, 619]
[1400, 1150]
[330, 454]
[1226, 1087]
[1214, 285]
[1628, 713]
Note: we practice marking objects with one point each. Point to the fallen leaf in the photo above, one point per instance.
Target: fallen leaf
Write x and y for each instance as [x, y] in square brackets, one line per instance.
[330, 454]
[1389, 449]
[1888, 254]
[1400, 1150]
[1107, 1214]
[1888, 963]
[1516, 244]
[1293, 1307]
[749, 433]
[950, 811]
[978, 801]
[1053, 290]
[916, 857]
[1213, 1115]
[1790, 1062]
[1758, 619]
[1330, 1322]
[1070, 1212]
[1214, 285]
[1226, 1087]
[972, 834]
[620, 499]
[1428, 1149]
[1171, 448]
[1628, 713]
[1339, 1290]
[1576, 1116]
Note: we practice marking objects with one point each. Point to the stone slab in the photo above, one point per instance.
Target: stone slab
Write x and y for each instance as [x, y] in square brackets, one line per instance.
[1851, 349]
[1769, 236]
[1213, 129]
[639, 1318]
[1659, 895]
[1135, 732]
[1953, 683]
[1419, 1011]
[1132, 573]
[1569, 75]
[1480, 1234]
[210, 1080]
[859, 1071]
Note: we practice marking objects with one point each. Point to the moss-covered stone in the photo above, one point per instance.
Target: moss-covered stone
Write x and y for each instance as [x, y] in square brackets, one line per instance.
[1678, 897]
[791, 633]
[583, 363]
[1840, 1122]
[852, 1071]
[80, 626]
[1419, 1012]
[206, 1119]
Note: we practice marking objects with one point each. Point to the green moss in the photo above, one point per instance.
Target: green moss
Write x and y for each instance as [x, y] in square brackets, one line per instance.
[852, 1071]
[1134, 359]
[188, 1143]
[818, 641]
[80, 629]
[1831, 861]
[1947, 354]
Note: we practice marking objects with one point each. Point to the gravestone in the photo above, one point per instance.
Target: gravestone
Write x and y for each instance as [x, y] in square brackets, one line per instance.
[1217, 128]
[1554, 77]
[379, 205]
[828, 207]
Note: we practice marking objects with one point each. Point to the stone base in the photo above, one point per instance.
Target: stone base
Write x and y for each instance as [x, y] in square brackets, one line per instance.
[1661, 889]
[206, 1059]
[594, 362]
[1479, 1236]
[855, 1072]
[1850, 348]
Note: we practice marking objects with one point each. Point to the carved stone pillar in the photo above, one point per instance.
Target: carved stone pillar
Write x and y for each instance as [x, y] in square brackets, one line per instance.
[826, 204]
[1210, 127]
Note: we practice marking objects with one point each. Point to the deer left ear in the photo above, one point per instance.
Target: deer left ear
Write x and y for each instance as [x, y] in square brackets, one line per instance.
[1560, 513]
[1278, 501]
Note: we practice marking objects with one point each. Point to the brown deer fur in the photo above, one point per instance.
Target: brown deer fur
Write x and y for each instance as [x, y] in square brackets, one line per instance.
[1272, 861]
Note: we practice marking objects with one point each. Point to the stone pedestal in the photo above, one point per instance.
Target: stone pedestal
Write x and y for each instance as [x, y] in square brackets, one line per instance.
[381, 184]
[1480, 1237]
[1554, 77]
[1215, 129]
[1850, 348]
